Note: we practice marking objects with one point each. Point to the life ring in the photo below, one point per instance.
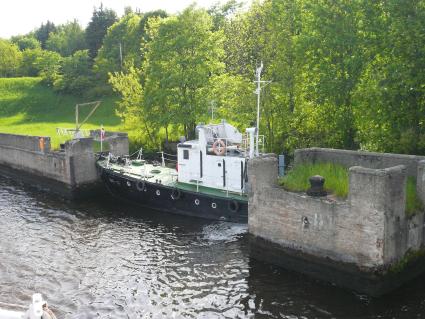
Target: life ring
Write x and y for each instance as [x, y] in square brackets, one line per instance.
[219, 147]
[141, 185]
[175, 194]
[233, 206]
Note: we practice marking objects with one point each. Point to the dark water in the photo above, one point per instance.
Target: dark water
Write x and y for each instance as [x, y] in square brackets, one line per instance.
[101, 259]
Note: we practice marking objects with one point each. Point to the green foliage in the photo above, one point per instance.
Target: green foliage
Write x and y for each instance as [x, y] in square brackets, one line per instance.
[10, 59]
[390, 98]
[28, 64]
[413, 202]
[345, 74]
[101, 20]
[43, 32]
[25, 42]
[336, 178]
[409, 257]
[221, 13]
[48, 65]
[67, 39]
[75, 75]
[130, 107]
[122, 45]
[124, 33]
[182, 58]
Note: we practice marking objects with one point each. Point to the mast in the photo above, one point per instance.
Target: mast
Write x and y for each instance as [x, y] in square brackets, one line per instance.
[258, 92]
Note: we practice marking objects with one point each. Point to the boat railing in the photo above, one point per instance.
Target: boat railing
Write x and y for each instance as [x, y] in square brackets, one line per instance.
[166, 157]
[261, 144]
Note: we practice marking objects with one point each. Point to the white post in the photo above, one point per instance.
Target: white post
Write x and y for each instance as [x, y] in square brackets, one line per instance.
[163, 159]
[259, 69]
[101, 138]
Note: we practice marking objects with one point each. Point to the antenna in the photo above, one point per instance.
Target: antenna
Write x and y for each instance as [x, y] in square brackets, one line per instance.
[212, 105]
[258, 92]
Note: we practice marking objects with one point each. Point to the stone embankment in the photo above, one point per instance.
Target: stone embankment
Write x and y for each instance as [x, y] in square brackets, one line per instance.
[70, 172]
[355, 242]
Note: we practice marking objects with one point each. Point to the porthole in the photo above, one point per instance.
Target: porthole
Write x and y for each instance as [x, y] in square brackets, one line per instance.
[158, 192]
[197, 202]
[214, 205]
[128, 184]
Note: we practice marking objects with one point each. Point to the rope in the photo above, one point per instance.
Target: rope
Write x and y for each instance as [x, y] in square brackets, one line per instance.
[12, 305]
[167, 154]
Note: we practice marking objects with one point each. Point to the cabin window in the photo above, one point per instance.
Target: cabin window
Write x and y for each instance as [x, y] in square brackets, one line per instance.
[185, 154]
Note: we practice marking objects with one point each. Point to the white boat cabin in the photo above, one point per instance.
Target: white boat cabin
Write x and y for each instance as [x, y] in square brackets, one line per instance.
[217, 159]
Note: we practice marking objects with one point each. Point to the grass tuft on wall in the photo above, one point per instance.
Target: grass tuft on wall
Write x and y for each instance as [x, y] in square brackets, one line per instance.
[336, 182]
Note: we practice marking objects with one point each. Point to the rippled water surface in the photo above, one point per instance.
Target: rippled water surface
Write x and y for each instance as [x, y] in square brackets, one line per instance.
[102, 259]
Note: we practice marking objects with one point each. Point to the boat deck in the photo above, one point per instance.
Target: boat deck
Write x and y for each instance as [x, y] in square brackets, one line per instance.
[168, 177]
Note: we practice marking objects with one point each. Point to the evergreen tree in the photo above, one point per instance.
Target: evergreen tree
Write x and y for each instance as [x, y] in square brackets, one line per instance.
[43, 32]
[97, 28]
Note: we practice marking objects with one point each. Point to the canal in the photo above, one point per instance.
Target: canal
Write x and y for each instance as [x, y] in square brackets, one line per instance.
[103, 259]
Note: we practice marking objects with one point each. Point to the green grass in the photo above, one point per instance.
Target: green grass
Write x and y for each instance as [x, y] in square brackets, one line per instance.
[336, 182]
[336, 178]
[29, 107]
[413, 202]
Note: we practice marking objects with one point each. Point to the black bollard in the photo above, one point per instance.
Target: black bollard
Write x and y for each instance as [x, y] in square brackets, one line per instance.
[316, 186]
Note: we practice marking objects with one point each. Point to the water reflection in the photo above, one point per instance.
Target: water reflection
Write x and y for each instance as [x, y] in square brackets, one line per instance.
[101, 259]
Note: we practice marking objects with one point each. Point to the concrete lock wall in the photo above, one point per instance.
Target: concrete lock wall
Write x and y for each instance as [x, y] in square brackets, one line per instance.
[415, 165]
[30, 158]
[369, 229]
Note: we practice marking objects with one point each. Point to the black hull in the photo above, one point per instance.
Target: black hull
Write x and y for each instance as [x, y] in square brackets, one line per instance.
[161, 197]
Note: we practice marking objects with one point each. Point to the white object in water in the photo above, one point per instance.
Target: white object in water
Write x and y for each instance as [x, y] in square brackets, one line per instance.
[35, 310]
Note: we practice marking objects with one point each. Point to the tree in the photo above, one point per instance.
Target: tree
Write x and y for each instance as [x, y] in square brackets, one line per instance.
[182, 58]
[29, 65]
[124, 41]
[221, 12]
[129, 86]
[43, 32]
[332, 47]
[75, 75]
[10, 59]
[67, 39]
[26, 42]
[48, 64]
[390, 99]
[97, 28]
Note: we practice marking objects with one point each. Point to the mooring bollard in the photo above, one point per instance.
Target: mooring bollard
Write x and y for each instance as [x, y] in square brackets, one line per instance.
[316, 186]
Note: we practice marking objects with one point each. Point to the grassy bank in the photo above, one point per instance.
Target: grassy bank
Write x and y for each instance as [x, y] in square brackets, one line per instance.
[28, 107]
[336, 182]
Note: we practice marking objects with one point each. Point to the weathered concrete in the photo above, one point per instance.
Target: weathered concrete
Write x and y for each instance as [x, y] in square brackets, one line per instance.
[367, 233]
[69, 173]
[118, 145]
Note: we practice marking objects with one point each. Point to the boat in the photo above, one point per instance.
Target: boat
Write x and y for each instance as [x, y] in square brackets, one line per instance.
[36, 310]
[209, 181]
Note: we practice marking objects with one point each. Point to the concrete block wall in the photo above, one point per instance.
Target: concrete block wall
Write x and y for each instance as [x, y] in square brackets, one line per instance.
[24, 153]
[415, 165]
[118, 145]
[81, 162]
[369, 229]
[72, 169]
[30, 143]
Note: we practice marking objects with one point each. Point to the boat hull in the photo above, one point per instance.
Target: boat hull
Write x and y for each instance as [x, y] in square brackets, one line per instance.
[175, 200]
